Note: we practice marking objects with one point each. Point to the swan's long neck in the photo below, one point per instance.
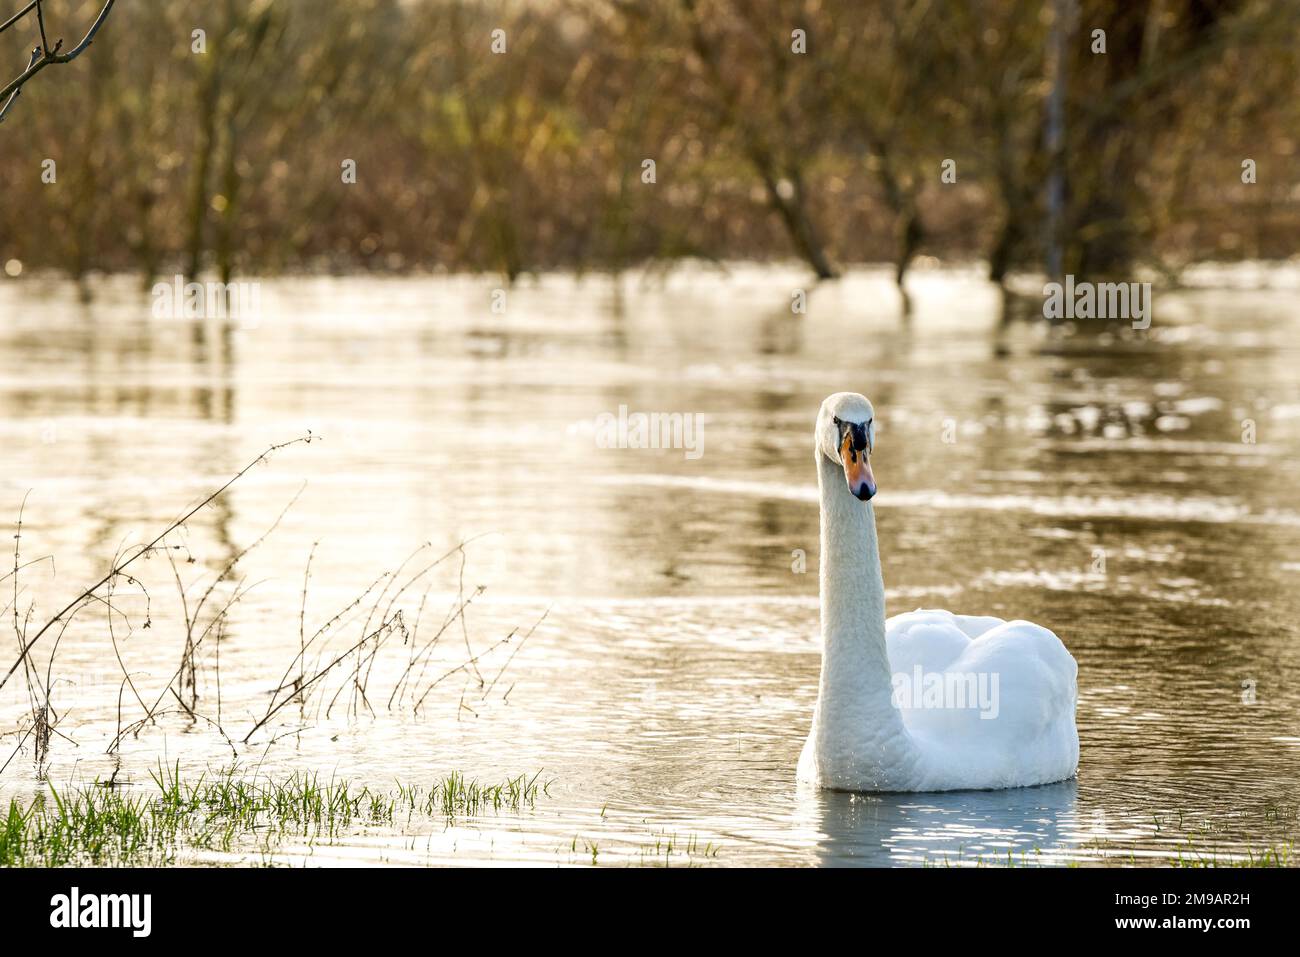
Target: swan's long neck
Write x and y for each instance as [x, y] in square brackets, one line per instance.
[856, 721]
[854, 661]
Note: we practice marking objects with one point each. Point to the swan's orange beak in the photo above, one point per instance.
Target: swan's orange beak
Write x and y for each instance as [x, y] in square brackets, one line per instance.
[857, 468]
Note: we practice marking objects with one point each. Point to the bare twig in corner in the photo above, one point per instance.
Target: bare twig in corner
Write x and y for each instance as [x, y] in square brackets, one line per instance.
[40, 20]
[4, 110]
[43, 55]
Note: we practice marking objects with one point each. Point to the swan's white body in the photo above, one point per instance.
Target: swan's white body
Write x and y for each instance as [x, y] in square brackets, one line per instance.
[1008, 717]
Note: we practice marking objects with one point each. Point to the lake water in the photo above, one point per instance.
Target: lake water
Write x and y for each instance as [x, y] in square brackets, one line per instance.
[1135, 493]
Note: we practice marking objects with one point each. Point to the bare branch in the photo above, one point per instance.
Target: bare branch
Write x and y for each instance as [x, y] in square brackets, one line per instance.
[4, 111]
[18, 16]
[43, 56]
[40, 20]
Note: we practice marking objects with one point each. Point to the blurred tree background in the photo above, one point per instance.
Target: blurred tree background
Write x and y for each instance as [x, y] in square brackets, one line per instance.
[809, 129]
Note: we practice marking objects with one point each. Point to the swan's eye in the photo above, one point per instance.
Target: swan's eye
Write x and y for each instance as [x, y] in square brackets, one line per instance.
[837, 420]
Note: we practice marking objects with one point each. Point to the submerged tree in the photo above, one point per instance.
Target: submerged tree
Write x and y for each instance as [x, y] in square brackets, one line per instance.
[748, 66]
[501, 136]
[1131, 69]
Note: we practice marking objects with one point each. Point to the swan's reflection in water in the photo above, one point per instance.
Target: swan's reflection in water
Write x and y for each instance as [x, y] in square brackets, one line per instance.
[1034, 826]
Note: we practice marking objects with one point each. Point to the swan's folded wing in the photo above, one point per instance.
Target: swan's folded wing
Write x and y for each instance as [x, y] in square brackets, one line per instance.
[926, 638]
[1009, 691]
[976, 626]
[1033, 674]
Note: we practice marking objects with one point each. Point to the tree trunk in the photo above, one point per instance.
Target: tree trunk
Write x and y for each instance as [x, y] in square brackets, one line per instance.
[803, 233]
[209, 96]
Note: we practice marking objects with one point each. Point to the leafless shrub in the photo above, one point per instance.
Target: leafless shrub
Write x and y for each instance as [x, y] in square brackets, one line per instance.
[309, 676]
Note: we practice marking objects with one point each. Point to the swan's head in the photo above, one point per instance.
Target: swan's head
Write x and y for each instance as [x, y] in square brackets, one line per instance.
[846, 434]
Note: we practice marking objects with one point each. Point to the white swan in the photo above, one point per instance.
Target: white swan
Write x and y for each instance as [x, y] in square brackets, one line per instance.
[929, 700]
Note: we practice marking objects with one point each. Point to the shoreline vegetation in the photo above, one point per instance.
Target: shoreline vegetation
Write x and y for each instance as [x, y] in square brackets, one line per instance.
[230, 812]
